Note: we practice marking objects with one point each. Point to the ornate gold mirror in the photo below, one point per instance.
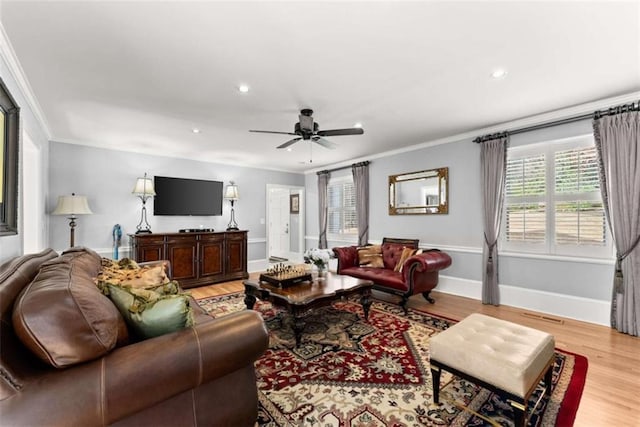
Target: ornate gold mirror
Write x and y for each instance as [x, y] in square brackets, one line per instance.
[419, 193]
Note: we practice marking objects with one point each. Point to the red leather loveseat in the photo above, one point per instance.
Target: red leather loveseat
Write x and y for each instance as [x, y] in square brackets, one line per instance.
[417, 273]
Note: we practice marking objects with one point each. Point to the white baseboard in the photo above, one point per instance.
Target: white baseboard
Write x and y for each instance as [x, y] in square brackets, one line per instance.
[578, 308]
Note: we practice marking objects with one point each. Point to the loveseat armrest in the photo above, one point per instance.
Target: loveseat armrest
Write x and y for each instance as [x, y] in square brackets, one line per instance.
[429, 260]
[140, 375]
[347, 257]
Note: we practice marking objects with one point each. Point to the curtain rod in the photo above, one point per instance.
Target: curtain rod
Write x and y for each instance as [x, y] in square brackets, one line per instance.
[365, 163]
[595, 115]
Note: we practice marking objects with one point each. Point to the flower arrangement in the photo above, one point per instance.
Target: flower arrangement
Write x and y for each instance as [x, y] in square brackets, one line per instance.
[319, 257]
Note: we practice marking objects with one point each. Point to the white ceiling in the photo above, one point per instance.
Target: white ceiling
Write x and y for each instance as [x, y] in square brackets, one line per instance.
[138, 76]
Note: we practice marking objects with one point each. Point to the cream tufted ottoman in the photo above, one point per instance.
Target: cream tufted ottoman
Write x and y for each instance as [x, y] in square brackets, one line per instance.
[501, 356]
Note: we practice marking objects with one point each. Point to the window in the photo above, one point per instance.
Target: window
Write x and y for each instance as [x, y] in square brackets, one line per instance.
[341, 200]
[552, 200]
[9, 117]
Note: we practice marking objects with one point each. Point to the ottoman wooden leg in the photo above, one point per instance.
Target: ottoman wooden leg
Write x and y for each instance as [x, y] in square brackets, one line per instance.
[435, 381]
[519, 418]
[548, 378]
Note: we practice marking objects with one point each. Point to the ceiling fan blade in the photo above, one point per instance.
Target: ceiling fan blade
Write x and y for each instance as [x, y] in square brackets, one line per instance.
[272, 131]
[288, 143]
[324, 142]
[338, 132]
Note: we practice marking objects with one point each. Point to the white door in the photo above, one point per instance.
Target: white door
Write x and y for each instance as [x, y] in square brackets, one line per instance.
[279, 224]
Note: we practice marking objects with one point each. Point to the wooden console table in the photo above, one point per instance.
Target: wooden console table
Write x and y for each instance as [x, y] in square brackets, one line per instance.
[197, 259]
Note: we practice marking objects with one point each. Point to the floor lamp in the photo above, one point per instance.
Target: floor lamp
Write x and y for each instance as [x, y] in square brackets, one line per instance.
[71, 206]
[143, 189]
[231, 194]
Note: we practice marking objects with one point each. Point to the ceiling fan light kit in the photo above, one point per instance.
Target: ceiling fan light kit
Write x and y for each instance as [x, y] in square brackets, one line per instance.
[308, 130]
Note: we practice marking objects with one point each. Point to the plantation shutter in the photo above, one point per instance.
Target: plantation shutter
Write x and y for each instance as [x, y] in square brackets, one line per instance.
[334, 196]
[342, 217]
[525, 200]
[350, 219]
[579, 214]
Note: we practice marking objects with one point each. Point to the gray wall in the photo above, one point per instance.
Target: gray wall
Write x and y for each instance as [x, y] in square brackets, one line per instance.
[460, 232]
[107, 177]
[11, 246]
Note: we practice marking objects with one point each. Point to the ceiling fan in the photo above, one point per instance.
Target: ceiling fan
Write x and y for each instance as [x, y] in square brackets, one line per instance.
[306, 129]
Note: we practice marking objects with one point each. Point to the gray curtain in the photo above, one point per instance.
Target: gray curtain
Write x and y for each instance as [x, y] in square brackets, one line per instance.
[493, 164]
[617, 142]
[360, 173]
[323, 182]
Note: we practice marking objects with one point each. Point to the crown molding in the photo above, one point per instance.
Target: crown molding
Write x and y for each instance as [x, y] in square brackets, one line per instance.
[10, 58]
[537, 119]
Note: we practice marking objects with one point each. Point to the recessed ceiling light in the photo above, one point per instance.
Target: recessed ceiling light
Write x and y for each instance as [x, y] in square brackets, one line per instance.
[243, 88]
[195, 130]
[499, 73]
[357, 125]
[289, 149]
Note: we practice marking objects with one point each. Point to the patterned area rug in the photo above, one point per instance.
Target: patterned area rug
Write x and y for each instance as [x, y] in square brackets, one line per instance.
[350, 372]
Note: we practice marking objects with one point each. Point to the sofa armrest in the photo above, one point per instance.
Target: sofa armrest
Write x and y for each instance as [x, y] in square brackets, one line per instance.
[347, 257]
[426, 262]
[140, 375]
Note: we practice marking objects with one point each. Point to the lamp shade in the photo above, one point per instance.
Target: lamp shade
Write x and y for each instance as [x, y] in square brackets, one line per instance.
[72, 205]
[144, 187]
[231, 192]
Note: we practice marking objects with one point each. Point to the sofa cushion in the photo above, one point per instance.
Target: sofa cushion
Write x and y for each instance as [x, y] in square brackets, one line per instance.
[149, 314]
[62, 317]
[379, 276]
[370, 256]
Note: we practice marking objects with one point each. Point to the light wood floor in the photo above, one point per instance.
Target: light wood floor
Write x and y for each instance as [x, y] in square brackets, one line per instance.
[611, 395]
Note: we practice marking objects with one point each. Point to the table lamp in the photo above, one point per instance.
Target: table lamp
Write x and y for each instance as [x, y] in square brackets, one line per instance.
[72, 205]
[143, 189]
[231, 194]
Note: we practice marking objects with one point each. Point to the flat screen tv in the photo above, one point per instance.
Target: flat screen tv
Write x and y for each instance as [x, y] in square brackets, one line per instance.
[181, 196]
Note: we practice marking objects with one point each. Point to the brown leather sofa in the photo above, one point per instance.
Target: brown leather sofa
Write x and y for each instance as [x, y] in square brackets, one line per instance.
[202, 375]
[419, 273]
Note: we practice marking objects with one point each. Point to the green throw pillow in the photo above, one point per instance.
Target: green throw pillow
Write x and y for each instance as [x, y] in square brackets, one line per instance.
[169, 313]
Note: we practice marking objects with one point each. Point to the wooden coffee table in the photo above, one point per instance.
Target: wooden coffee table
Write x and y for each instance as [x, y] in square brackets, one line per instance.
[302, 298]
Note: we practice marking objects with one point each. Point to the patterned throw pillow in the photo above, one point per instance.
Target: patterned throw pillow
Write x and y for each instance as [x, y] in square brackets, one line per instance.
[150, 315]
[406, 254]
[370, 256]
[149, 302]
[127, 273]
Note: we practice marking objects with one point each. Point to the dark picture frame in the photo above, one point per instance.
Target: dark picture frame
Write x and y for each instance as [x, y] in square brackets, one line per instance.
[9, 142]
[294, 203]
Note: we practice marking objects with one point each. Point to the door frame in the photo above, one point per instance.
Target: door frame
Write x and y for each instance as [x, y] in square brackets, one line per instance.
[301, 218]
